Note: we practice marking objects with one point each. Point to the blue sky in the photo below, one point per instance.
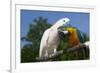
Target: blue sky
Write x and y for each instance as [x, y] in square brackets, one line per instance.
[77, 19]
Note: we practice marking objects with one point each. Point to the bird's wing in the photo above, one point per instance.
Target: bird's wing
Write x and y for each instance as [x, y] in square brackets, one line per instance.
[45, 36]
[80, 36]
[49, 33]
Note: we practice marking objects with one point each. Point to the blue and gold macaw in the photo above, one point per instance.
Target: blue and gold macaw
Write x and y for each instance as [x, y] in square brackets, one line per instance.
[73, 37]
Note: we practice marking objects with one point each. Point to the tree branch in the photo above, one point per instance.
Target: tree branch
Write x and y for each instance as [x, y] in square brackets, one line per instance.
[76, 48]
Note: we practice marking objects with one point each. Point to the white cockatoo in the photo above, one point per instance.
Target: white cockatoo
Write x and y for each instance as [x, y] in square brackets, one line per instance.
[50, 39]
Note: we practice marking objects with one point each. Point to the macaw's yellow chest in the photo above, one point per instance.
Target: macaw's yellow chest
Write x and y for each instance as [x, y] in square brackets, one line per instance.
[73, 39]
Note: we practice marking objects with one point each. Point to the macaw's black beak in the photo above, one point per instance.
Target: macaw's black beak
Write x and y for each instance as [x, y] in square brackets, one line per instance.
[63, 33]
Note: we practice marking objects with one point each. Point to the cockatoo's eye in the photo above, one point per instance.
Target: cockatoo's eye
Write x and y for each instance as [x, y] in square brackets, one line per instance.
[64, 21]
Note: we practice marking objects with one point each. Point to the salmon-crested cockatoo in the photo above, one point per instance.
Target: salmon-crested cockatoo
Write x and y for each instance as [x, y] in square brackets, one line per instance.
[50, 39]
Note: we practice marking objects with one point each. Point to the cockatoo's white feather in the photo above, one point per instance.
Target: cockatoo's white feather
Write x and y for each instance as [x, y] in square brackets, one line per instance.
[50, 39]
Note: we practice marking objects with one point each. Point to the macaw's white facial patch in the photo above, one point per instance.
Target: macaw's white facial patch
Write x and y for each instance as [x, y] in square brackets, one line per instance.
[65, 32]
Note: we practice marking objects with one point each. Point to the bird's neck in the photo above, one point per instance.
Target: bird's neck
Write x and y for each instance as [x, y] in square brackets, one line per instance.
[56, 26]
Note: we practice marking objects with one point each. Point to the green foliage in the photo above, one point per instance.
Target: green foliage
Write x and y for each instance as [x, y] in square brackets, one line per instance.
[29, 52]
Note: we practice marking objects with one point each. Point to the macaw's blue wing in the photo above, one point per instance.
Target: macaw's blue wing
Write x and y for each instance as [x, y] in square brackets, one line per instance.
[81, 36]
